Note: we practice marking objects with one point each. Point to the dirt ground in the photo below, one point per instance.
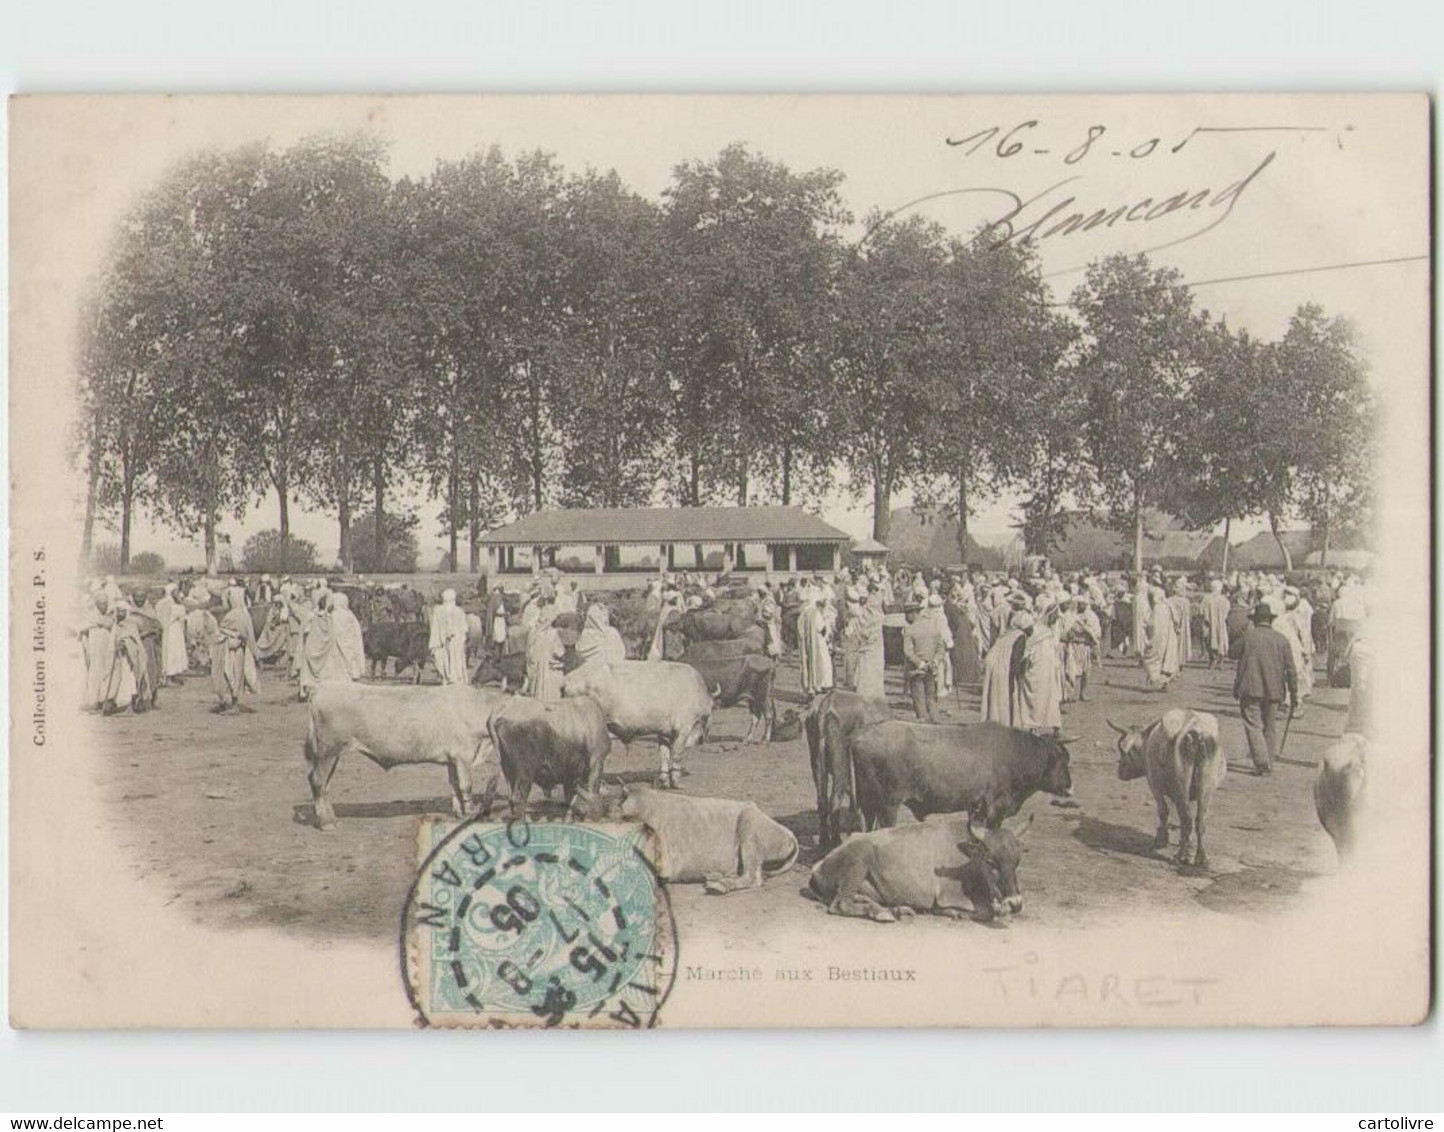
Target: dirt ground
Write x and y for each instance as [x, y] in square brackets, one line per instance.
[216, 809]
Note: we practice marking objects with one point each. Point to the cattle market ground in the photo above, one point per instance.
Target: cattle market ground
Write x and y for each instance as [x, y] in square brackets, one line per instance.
[214, 811]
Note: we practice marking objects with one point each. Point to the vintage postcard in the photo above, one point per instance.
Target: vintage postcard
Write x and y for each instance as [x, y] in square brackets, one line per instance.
[720, 561]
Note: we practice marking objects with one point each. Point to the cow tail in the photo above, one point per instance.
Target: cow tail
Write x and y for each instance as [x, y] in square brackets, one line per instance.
[312, 745]
[791, 859]
[1194, 748]
[494, 736]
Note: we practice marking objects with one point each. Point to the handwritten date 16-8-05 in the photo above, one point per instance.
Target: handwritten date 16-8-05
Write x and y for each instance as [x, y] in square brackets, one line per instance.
[1031, 138]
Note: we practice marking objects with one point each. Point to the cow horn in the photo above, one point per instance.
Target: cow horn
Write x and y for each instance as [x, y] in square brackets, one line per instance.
[1120, 730]
[717, 695]
[1066, 739]
[972, 834]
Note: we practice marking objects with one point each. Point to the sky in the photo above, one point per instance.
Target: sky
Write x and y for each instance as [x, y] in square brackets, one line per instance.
[1249, 197]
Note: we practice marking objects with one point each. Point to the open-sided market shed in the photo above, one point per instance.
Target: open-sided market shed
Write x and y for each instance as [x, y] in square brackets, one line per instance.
[616, 545]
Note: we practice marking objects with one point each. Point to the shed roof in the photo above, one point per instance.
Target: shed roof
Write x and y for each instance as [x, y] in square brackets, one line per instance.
[868, 546]
[604, 526]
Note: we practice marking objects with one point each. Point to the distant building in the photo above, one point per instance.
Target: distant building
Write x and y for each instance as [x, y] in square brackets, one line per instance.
[615, 545]
[866, 550]
[1088, 543]
[1262, 551]
[925, 540]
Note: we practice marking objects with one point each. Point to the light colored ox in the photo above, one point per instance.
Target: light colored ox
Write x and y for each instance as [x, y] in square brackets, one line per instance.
[1339, 790]
[657, 699]
[1179, 754]
[726, 844]
[939, 865]
[399, 726]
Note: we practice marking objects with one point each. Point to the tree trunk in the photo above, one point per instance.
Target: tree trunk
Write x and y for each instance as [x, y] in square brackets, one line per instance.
[1283, 546]
[343, 514]
[694, 483]
[127, 504]
[742, 481]
[87, 536]
[378, 535]
[962, 517]
[1324, 548]
[282, 496]
[473, 513]
[881, 507]
[1227, 525]
[1137, 538]
[213, 559]
[452, 499]
[786, 475]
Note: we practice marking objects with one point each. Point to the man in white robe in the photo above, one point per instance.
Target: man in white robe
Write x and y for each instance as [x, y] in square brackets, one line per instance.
[350, 641]
[448, 639]
[1040, 688]
[172, 617]
[1001, 670]
[98, 644]
[813, 654]
[1296, 625]
[1215, 624]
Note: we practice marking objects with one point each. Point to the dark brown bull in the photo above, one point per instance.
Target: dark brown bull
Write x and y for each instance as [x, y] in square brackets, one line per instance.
[405, 642]
[554, 744]
[712, 625]
[745, 678]
[830, 724]
[749, 644]
[984, 768]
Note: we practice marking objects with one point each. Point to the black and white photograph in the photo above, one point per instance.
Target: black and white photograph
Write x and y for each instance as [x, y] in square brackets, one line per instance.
[659, 561]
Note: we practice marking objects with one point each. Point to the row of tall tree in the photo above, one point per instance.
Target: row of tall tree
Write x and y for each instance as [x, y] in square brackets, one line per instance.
[503, 336]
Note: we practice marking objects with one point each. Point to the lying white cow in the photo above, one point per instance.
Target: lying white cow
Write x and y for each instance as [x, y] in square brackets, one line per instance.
[396, 726]
[939, 865]
[660, 699]
[719, 841]
[1339, 790]
[1180, 755]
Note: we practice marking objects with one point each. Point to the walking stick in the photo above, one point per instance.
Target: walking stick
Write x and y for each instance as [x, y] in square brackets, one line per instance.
[1284, 742]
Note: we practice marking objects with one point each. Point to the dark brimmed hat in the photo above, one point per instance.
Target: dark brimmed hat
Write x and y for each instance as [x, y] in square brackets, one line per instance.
[1262, 612]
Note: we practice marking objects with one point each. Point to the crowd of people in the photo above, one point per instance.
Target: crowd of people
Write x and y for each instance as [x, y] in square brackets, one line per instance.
[1032, 643]
[136, 643]
[1029, 643]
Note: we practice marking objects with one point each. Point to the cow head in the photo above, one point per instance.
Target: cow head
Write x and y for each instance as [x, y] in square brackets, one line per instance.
[993, 858]
[1058, 779]
[1131, 763]
[788, 727]
[487, 674]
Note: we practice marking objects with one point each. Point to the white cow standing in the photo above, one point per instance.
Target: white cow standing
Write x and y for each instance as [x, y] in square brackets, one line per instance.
[1180, 755]
[660, 699]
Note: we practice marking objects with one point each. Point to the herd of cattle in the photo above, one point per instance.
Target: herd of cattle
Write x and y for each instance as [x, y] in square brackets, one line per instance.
[964, 783]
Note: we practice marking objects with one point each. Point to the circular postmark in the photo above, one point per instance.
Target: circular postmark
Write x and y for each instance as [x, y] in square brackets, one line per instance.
[545, 924]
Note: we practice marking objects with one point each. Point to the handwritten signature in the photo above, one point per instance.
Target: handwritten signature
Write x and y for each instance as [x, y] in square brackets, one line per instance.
[1058, 212]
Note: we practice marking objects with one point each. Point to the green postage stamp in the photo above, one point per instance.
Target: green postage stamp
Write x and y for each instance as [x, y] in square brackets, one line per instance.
[523, 924]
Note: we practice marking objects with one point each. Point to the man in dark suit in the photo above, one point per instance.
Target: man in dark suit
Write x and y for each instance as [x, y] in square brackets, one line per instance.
[1265, 680]
[923, 651]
